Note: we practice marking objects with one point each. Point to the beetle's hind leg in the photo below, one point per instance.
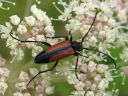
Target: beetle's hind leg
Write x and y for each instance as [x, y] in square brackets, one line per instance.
[53, 67]
[23, 41]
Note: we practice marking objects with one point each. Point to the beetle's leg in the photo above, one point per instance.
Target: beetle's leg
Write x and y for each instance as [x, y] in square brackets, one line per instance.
[44, 72]
[76, 67]
[66, 37]
[103, 54]
[23, 41]
[77, 53]
[70, 36]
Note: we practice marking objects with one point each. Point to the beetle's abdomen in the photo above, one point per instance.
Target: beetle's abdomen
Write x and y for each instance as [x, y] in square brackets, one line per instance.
[55, 52]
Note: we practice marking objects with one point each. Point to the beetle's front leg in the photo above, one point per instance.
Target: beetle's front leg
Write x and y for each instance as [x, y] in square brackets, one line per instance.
[66, 37]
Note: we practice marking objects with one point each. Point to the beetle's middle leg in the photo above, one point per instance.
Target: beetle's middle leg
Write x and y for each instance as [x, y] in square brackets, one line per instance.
[24, 41]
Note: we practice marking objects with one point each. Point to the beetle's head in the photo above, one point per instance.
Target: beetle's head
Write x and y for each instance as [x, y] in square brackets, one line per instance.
[77, 46]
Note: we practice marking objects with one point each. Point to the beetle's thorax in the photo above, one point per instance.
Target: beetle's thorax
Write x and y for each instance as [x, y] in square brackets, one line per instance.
[77, 46]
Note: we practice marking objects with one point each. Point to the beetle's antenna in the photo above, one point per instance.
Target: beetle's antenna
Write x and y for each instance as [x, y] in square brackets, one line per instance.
[103, 54]
[90, 26]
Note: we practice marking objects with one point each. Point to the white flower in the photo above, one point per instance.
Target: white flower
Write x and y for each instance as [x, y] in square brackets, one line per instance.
[103, 84]
[6, 30]
[90, 93]
[105, 7]
[3, 87]
[18, 53]
[34, 9]
[39, 89]
[36, 50]
[83, 67]
[79, 86]
[49, 90]
[71, 78]
[125, 70]
[4, 72]
[31, 28]
[11, 43]
[35, 30]
[30, 20]
[93, 40]
[102, 34]
[101, 68]
[14, 19]
[80, 10]
[2, 61]
[20, 86]
[97, 78]
[77, 93]
[40, 38]
[27, 94]
[22, 29]
[92, 66]
[112, 22]
[49, 29]
[40, 86]
[18, 94]
[87, 84]
[124, 55]
[39, 14]
[74, 25]
[23, 76]
[33, 71]
[122, 15]
[30, 45]
[94, 87]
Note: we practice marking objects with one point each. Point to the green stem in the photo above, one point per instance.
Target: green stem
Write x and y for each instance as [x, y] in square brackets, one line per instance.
[28, 7]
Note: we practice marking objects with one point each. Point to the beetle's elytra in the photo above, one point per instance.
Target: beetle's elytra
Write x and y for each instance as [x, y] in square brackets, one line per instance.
[58, 51]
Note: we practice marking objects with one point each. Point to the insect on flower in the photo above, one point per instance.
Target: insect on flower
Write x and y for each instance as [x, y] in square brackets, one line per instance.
[62, 49]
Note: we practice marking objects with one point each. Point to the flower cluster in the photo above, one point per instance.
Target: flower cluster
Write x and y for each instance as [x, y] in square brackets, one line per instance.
[4, 75]
[94, 79]
[41, 86]
[5, 1]
[80, 14]
[31, 28]
[109, 31]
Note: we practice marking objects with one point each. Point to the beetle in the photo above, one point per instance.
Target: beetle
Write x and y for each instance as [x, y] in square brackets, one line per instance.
[62, 49]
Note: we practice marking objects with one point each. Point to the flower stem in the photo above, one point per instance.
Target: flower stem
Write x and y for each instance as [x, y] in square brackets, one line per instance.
[28, 7]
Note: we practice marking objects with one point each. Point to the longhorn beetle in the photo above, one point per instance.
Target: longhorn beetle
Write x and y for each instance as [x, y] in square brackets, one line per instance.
[62, 49]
